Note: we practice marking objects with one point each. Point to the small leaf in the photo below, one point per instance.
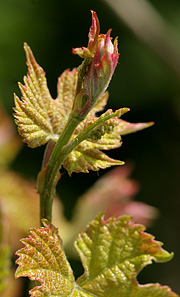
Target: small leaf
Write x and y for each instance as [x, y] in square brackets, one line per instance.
[87, 155]
[43, 259]
[127, 128]
[38, 116]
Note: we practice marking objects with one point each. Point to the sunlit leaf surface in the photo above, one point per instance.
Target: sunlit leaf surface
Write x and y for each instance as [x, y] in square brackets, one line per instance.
[38, 116]
[43, 259]
[88, 154]
[113, 252]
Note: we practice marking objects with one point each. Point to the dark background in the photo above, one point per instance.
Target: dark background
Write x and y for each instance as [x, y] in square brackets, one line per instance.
[143, 81]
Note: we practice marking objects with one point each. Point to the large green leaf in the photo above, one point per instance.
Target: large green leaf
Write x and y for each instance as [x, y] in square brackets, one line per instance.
[113, 252]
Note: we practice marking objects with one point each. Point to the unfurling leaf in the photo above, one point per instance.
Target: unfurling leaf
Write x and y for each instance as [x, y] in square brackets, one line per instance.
[38, 116]
[41, 118]
[103, 57]
[113, 252]
[87, 155]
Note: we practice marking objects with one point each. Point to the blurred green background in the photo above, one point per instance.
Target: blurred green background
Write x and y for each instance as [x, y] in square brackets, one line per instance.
[147, 80]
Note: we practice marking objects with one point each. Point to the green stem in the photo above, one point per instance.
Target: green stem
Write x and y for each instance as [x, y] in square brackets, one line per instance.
[49, 175]
[48, 151]
[71, 145]
[62, 149]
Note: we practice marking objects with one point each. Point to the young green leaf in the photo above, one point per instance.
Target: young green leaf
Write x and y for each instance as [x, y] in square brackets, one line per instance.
[38, 116]
[43, 259]
[87, 155]
[41, 118]
[113, 252]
